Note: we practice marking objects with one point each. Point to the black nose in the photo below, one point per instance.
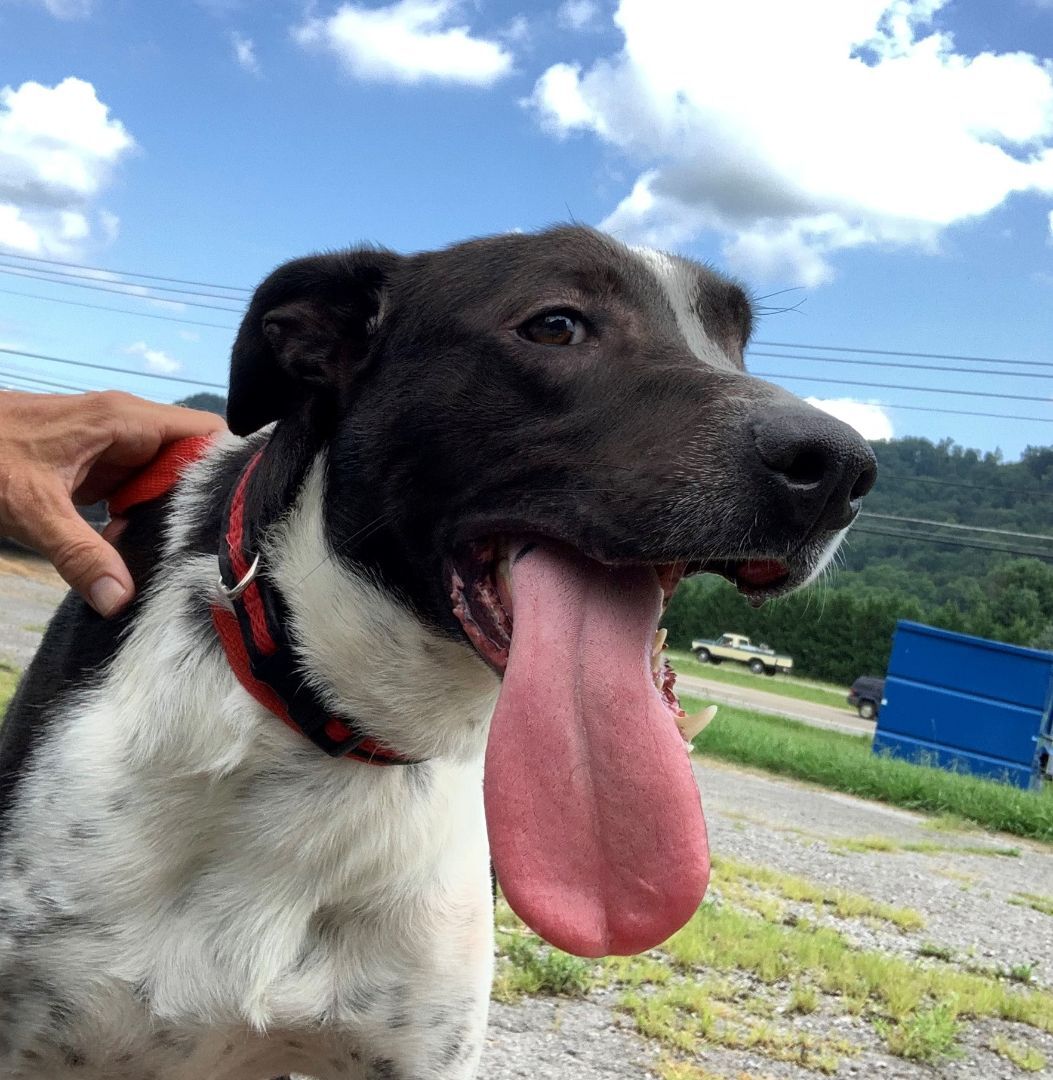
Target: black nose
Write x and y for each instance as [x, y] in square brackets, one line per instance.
[822, 466]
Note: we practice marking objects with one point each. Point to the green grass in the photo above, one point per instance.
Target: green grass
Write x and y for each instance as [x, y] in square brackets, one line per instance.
[927, 1035]
[845, 763]
[8, 679]
[1042, 904]
[735, 675]
[1021, 1055]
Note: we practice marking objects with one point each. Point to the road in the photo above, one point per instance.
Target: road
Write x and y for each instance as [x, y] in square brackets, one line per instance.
[742, 697]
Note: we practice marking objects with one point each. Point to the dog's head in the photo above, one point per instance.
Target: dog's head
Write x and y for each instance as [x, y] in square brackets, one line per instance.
[531, 439]
[557, 386]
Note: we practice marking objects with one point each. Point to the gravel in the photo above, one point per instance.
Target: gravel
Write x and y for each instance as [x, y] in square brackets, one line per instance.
[966, 900]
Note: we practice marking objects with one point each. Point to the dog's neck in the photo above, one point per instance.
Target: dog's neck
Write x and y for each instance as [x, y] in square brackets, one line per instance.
[364, 653]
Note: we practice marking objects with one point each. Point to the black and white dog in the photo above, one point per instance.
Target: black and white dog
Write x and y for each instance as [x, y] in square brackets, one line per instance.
[488, 467]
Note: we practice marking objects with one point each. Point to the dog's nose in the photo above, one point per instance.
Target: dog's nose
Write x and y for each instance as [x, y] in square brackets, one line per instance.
[822, 466]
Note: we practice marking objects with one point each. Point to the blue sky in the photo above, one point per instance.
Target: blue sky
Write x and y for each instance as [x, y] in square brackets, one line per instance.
[888, 161]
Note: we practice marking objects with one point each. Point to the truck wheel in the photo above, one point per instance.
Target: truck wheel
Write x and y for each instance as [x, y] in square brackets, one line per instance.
[867, 710]
[757, 666]
[770, 670]
[702, 656]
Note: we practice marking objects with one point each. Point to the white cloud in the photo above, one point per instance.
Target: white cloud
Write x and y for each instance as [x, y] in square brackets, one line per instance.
[58, 149]
[409, 41]
[68, 9]
[189, 335]
[1050, 219]
[156, 361]
[845, 123]
[578, 14]
[245, 52]
[868, 418]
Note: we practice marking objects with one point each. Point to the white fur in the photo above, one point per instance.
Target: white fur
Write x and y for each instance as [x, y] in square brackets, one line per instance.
[679, 282]
[255, 890]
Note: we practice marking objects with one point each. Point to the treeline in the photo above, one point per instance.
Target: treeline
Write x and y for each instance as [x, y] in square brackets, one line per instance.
[842, 627]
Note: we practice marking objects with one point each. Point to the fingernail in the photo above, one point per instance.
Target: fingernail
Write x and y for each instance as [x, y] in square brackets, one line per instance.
[107, 595]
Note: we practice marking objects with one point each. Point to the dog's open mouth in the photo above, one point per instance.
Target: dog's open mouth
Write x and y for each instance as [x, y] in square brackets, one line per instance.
[594, 817]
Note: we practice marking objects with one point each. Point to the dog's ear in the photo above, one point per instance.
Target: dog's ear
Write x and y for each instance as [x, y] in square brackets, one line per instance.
[307, 323]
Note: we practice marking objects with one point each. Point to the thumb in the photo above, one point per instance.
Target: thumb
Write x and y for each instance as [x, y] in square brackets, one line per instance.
[85, 560]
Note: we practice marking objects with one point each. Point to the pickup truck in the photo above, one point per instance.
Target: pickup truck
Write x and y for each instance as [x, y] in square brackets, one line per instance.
[758, 658]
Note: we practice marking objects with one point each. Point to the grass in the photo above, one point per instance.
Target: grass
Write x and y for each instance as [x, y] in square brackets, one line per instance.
[845, 763]
[886, 845]
[928, 1035]
[8, 679]
[1022, 1056]
[736, 880]
[734, 675]
[1041, 904]
[738, 979]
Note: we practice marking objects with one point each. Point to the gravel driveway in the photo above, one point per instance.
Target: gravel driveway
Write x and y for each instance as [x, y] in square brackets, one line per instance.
[968, 888]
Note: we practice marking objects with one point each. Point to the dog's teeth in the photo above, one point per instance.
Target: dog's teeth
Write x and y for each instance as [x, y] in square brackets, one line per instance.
[659, 640]
[502, 568]
[690, 726]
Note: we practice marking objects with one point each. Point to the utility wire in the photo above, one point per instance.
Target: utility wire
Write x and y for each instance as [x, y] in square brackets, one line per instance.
[122, 311]
[106, 367]
[948, 542]
[956, 525]
[120, 292]
[895, 364]
[121, 273]
[1032, 492]
[56, 276]
[902, 352]
[959, 412]
[897, 386]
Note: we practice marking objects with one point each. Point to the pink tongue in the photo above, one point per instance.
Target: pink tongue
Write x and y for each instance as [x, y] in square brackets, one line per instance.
[594, 817]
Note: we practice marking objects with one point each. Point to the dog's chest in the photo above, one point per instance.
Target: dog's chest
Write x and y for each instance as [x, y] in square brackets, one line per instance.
[170, 890]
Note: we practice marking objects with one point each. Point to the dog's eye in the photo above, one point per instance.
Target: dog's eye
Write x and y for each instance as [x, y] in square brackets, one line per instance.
[565, 327]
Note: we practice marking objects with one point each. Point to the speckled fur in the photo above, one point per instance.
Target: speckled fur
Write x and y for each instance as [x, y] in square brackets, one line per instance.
[189, 890]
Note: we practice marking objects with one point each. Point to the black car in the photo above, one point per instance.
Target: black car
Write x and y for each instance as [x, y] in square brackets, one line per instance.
[866, 695]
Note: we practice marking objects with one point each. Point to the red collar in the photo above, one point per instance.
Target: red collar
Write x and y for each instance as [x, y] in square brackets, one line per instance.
[251, 618]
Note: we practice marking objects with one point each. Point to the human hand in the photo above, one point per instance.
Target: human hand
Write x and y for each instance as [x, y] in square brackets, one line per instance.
[60, 450]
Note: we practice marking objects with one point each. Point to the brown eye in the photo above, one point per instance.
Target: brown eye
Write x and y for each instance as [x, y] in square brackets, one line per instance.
[555, 328]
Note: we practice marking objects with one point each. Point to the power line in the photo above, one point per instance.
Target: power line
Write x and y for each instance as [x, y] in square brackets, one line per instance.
[122, 311]
[34, 381]
[895, 364]
[120, 292]
[1032, 492]
[956, 525]
[121, 273]
[105, 367]
[55, 276]
[959, 412]
[897, 386]
[903, 352]
[948, 542]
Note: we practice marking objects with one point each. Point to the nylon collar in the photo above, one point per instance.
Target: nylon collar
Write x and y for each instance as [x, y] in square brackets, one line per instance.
[251, 617]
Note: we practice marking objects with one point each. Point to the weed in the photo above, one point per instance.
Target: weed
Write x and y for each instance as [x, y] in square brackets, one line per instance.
[1022, 1056]
[1041, 904]
[804, 999]
[729, 874]
[1021, 973]
[8, 680]
[528, 967]
[937, 952]
[928, 1035]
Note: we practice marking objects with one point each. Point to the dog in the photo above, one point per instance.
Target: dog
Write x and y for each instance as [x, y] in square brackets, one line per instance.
[459, 488]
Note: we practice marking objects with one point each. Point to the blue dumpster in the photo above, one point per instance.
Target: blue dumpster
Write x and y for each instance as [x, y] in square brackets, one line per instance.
[967, 703]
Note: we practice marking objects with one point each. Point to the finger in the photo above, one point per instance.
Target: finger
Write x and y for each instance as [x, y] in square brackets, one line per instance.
[85, 560]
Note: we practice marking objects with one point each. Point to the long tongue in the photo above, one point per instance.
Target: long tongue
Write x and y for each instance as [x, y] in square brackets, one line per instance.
[595, 821]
